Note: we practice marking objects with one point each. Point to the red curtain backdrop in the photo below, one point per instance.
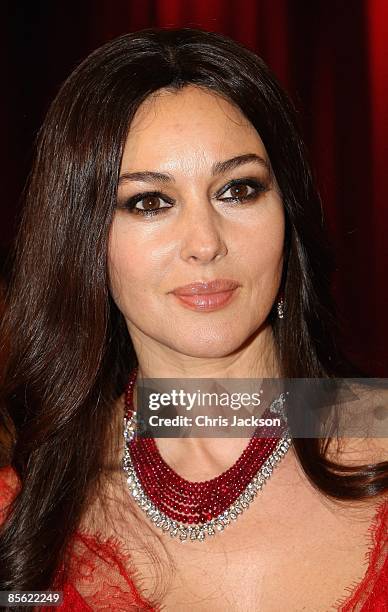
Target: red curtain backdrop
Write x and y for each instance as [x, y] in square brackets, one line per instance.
[332, 57]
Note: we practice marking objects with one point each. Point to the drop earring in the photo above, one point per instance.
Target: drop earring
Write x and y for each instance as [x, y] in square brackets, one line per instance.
[281, 308]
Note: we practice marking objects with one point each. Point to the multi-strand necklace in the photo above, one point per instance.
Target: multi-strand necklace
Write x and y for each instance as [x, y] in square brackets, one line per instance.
[193, 510]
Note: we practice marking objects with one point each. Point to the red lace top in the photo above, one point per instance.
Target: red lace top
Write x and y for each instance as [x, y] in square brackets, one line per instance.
[106, 577]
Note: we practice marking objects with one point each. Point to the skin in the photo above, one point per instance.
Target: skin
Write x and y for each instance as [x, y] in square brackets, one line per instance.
[200, 238]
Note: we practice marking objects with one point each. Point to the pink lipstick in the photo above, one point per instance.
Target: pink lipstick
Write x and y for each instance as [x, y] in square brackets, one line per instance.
[207, 295]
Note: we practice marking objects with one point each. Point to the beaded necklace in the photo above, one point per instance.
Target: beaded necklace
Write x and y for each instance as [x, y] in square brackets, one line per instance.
[193, 510]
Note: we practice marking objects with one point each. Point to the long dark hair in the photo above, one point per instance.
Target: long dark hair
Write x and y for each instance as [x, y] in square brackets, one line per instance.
[65, 344]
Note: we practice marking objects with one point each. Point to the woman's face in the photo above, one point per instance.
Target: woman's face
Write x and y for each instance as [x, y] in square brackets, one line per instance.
[194, 158]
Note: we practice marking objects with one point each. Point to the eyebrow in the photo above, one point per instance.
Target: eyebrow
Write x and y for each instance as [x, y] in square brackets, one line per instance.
[217, 168]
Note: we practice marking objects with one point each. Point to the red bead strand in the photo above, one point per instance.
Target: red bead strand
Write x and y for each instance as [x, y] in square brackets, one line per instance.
[193, 502]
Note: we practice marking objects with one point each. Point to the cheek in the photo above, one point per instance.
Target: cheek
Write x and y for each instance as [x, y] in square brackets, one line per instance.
[137, 265]
[127, 264]
[260, 248]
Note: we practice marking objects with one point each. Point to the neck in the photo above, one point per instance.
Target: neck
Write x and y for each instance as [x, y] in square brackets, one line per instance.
[256, 358]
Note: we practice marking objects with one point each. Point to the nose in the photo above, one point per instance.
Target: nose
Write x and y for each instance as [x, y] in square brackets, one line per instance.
[202, 237]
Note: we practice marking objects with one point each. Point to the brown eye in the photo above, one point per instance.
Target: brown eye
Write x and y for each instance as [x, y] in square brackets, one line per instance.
[147, 204]
[150, 203]
[243, 190]
[239, 191]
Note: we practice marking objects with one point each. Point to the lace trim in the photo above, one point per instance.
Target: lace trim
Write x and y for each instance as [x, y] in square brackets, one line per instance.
[83, 549]
[372, 590]
[9, 487]
[368, 595]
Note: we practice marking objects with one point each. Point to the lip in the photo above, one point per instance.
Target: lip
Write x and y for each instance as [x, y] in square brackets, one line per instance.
[206, 301]
[219, 285]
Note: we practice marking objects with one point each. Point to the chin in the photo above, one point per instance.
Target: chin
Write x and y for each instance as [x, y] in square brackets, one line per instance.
[207, 348]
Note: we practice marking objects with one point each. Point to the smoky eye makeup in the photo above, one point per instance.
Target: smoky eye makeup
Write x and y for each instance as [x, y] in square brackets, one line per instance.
[242, 189]
[237, 191]
[144, 203]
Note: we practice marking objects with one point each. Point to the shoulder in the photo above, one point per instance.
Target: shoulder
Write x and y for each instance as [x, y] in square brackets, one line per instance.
[9, 487]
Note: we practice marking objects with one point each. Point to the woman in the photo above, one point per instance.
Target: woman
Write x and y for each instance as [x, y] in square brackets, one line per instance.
[170, 158]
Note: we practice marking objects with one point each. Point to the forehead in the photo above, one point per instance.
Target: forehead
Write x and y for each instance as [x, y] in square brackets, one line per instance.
[187, 126]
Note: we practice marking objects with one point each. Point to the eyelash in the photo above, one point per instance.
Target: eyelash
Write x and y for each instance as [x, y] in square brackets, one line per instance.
[130, 204]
